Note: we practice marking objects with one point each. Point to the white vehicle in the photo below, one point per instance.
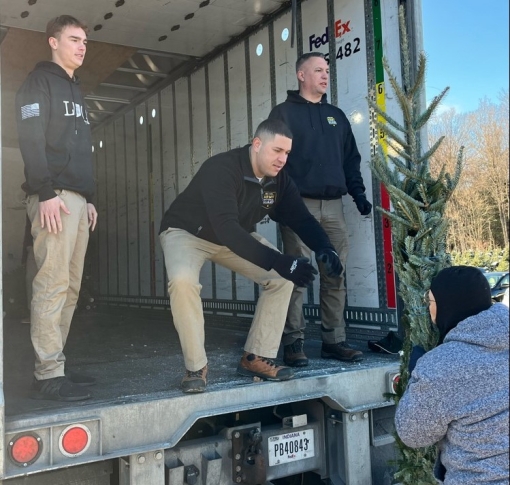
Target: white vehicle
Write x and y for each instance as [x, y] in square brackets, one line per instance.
[168, 84]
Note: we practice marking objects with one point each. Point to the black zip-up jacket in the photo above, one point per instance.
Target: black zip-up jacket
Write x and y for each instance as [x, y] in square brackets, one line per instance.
[324, 161]
[54, 133]
[225, 200]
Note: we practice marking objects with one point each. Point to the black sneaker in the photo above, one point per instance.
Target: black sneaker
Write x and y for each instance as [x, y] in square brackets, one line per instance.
[194, 381]
[58, 389]
[391, 344]
[80, 379]
[294, 355]
[341, 351]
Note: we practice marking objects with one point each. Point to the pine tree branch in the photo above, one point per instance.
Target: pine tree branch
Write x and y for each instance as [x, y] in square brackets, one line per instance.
[422, 119]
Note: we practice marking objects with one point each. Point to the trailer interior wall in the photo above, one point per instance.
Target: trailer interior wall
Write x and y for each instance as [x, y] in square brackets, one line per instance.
[148, 156]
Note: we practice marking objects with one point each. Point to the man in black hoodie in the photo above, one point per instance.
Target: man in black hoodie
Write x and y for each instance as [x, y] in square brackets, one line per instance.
[214, 219]
[325, 165]
[55, 142]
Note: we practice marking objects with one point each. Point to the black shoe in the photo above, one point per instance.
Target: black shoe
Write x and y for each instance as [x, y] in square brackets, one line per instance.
[80, 379]
[58, 389]
[294, 355]
[390, 344]
[341, 351]
[194, 381]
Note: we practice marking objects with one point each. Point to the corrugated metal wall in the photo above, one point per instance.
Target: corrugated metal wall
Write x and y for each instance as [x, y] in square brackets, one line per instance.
[144, 159]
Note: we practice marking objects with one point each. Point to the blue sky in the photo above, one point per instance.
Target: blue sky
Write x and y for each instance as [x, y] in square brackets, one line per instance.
[466, 42]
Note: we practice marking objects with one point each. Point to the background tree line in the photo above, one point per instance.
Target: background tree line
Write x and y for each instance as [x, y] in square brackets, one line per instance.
[479, 208]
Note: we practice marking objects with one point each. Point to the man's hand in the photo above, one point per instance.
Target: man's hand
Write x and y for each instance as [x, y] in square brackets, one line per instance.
[92, 213]
[49, 213]
[363, 205]
[297, 270]
[329, 262]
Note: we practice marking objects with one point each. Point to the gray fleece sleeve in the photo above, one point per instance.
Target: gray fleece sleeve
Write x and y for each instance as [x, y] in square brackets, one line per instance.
[421, 418]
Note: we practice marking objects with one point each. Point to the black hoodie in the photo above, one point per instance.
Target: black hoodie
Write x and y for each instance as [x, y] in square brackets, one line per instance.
[324, 161]
[54, 133]
[224, 201]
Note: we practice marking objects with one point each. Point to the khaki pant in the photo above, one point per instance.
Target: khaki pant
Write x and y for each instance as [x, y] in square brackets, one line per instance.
[56, 286]
[185, 255]
[330, 215]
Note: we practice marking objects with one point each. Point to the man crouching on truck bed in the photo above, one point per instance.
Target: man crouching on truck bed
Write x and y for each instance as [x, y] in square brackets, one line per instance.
[214, 220]
[55, 142]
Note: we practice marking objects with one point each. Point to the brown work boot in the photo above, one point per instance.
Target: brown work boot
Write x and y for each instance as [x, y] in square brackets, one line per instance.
[294, 355]
[194, 381]
[340, 351]
[252, 365]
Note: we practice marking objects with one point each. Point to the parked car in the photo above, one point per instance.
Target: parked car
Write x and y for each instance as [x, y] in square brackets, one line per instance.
[499, 282]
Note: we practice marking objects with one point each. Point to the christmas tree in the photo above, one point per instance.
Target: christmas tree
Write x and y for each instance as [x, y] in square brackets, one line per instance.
[418, 225]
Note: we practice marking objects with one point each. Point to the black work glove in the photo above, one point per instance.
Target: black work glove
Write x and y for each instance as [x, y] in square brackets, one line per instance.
[329, 262]
[297, 270]
[363, 205]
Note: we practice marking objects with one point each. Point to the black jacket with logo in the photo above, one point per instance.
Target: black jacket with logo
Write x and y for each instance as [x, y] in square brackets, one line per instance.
[54, 133]
[324, 161]
[225, 200]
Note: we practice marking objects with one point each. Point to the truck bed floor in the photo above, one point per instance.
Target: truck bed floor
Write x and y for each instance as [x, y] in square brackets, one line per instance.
[135, 355]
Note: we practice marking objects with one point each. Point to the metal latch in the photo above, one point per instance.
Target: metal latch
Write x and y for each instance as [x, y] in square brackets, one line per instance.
[191, 474]
[248, 462]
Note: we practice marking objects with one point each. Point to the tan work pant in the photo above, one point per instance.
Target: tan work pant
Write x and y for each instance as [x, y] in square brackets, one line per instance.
[330, 215]
[185, 255]
[56, 286]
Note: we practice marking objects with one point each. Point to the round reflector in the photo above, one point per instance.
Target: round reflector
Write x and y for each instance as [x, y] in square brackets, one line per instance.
[24, 449]
[395, 381]
[74, 440]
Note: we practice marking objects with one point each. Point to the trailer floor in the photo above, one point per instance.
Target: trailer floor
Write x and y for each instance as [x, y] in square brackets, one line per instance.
[135, 355]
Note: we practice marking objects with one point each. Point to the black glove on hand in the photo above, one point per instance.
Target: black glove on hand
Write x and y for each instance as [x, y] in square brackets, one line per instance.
[363, 205]
[297, 270]
[329, 262]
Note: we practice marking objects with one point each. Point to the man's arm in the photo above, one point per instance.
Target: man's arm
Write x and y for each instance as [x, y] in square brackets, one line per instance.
[92, 215]
[354, 180]
[292, 211]
[222, 209]
[33, 114]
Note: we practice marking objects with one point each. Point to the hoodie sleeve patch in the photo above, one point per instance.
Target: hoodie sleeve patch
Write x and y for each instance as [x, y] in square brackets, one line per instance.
[30, 111]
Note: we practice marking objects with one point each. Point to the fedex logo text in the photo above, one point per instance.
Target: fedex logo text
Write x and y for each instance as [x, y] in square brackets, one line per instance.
[341, 28]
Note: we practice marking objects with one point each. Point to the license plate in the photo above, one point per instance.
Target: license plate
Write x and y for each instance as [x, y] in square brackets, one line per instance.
[289, 447]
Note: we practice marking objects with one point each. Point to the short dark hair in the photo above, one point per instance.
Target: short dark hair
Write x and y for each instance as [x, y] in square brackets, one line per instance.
[303, 58]
[56, 25]
[273, 127]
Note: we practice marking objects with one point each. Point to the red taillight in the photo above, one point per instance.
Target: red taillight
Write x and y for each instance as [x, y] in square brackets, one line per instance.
[25, 449]
[394, 382]
[74, 440]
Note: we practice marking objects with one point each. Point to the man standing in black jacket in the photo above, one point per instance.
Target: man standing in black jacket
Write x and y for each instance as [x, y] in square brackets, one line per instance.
[55, 142]
[325, 165]
[214, 219]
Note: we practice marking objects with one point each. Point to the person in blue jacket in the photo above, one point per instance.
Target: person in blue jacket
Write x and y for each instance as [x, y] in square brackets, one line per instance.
[325, 165]
[457, 395]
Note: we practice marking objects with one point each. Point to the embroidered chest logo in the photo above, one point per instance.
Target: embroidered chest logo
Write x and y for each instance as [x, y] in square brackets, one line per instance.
[268, 199]
[331, 120]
